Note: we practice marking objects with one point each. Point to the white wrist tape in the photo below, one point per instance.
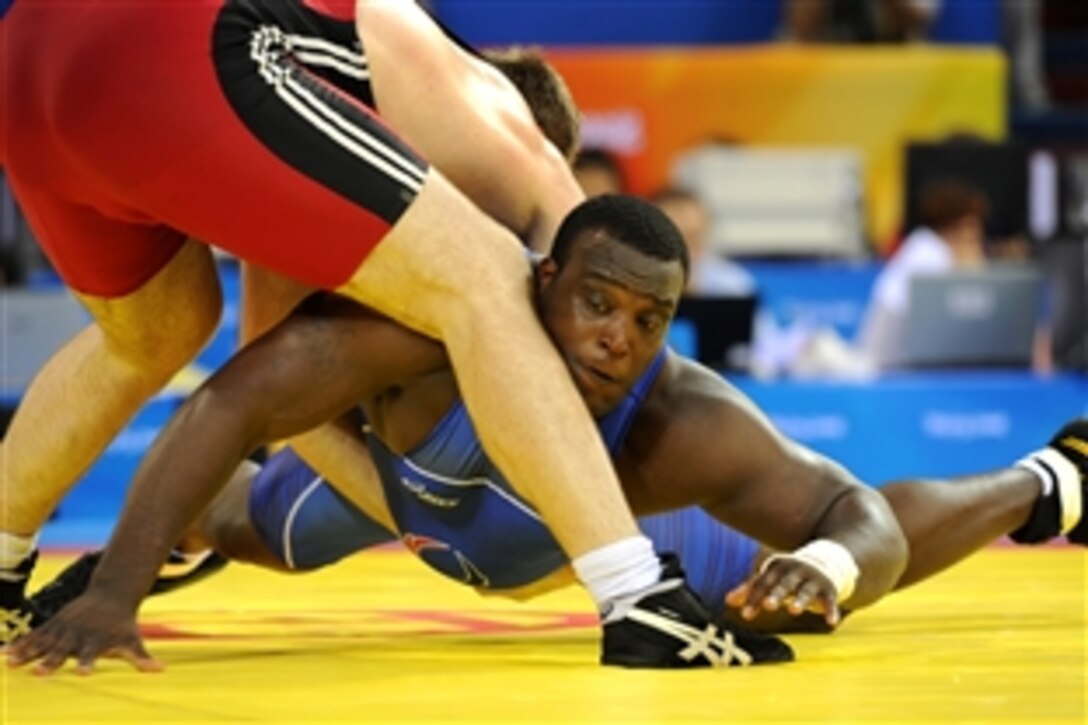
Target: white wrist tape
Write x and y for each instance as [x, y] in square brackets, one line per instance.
[1056, 472]
[828, 557]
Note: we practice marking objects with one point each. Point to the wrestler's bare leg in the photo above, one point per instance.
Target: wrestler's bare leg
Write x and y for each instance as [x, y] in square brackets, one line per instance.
[93, 386]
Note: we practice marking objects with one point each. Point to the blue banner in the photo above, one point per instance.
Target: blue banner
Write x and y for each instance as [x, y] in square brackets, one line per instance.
[924, 425]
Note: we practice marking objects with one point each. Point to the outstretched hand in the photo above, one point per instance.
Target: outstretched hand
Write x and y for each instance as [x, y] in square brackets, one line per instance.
[798, 586]
[90, 627]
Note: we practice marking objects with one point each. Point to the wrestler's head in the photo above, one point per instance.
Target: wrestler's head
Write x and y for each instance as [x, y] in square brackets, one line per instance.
[544, 91]
[608, 292]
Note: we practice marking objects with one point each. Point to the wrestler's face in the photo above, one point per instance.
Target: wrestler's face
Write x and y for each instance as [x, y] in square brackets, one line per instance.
[607, 311]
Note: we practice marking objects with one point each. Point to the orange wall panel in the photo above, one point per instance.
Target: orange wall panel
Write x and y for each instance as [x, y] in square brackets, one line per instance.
[649, 105]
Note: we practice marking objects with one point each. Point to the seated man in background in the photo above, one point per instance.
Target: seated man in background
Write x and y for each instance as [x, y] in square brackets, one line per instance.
[712, 275]
[598, 172]
[993, 316]
[679, 434]
[847, 21]
[952, 236]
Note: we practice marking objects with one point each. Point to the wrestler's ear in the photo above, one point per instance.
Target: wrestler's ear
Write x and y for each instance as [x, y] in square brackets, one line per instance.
[546, 270]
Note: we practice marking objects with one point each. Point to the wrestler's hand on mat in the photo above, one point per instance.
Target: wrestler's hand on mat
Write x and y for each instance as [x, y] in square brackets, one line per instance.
[798, 586]
[92, 626]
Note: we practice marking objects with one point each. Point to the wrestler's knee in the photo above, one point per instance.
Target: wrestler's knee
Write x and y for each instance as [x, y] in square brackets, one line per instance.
[163, 324]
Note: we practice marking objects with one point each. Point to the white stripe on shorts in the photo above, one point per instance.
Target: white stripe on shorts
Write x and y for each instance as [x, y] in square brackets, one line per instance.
[321, 47]
[327, 119]
[324, 61]
[289, 522]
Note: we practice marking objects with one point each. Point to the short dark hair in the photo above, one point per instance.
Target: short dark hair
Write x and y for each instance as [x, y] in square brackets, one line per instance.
[668, 194]
[631, 221]
[947, 201]
[598, 158]
[544, 91]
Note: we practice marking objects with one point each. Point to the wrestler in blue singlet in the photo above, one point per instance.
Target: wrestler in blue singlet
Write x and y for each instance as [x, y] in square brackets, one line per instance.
[455, 510]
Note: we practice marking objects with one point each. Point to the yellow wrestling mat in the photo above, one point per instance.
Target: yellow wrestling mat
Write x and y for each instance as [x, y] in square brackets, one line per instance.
[379, 638]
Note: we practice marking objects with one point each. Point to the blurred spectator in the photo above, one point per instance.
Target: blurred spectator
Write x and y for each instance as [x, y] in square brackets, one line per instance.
[951, 236]
[1024, 45]
[953, 217]
[598, 172]
[1067, 263]
[711, 274]
[859, 21]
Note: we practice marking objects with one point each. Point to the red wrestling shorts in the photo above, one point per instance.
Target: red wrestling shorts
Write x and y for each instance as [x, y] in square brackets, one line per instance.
[247, 124]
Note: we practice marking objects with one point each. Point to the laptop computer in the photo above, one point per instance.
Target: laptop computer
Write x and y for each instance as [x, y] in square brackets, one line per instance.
[980, 318]
[720, 330]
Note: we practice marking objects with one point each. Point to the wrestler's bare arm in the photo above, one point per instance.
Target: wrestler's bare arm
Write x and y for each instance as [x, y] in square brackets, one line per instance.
[481, 134]
[320, 362]
[713, 447]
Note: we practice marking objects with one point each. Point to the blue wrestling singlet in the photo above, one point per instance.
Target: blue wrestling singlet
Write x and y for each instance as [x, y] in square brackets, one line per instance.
[456, 511]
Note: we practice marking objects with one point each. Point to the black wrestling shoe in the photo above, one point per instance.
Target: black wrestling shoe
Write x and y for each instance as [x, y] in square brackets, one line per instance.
[66, 586]
[70, 583]
[667, 626]
[181, 570]
[17, 614]
[1062, 509]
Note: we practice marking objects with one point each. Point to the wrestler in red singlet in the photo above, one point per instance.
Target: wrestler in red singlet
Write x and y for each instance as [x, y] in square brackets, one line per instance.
[242, 123]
